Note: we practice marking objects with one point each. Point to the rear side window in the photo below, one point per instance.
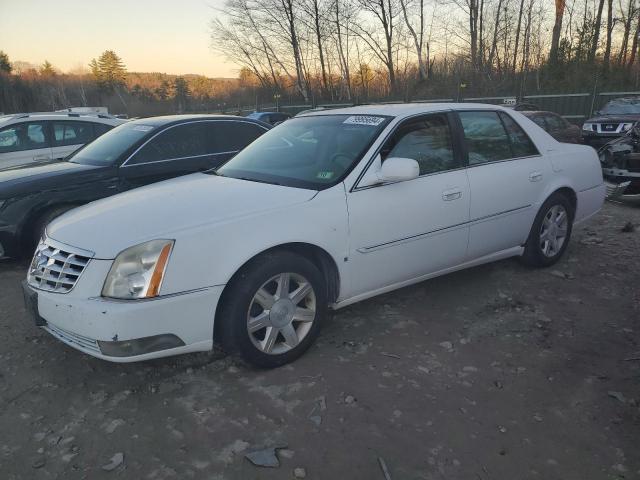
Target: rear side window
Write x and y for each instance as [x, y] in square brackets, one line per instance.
[234, 136]
[182, 141]
[538, 120]
[71, 133]
[556, 123]
[521, 144]
[485, 136]
[23, 136]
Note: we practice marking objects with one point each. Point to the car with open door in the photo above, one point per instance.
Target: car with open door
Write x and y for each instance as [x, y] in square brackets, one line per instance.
[325, 210]
[131, 155]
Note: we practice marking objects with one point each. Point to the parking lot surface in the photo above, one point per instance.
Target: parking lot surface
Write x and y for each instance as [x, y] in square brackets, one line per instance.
[498, 372]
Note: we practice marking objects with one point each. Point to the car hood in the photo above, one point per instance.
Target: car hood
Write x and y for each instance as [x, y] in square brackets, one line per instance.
[614, 118]
[29, 178]
[163, 210]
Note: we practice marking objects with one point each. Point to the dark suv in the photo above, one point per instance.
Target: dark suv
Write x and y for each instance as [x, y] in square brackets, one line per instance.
[614, 120]
[131, 155]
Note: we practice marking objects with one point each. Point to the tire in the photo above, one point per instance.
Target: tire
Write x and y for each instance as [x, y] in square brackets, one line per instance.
[280, 331]
[40, 224]
[541, 250]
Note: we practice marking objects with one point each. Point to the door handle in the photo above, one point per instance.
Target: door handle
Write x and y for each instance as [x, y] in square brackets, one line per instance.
[535, 176]
[41, 158]
[452, 194]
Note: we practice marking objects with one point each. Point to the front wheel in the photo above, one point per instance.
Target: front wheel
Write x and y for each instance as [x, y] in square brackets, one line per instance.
[273, 309]
[550, 232]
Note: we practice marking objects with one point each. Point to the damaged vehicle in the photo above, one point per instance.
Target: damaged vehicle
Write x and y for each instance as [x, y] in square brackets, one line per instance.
[328, 209]
[620, 161]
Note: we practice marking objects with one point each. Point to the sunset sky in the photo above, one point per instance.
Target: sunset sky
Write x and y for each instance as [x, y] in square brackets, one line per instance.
[149, 35]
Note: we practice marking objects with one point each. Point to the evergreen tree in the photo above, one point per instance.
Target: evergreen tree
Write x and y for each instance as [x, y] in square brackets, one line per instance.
[5, 65]
[181, 94]
[47, 70]
[108, 71]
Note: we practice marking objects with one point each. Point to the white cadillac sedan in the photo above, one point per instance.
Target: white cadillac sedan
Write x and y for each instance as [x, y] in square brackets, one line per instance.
[325, 210]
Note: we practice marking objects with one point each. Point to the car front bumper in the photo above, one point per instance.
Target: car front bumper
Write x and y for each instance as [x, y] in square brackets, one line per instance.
[109, 329]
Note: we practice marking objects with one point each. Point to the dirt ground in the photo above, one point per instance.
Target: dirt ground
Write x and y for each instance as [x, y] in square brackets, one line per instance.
[498, 372]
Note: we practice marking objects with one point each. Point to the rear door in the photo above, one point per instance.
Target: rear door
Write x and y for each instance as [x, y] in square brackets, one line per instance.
[507, 178]
[24, 143]
[68, 135]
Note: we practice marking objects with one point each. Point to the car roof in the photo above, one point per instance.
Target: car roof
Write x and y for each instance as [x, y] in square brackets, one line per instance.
[168, 119]
[404, 109]
[74, 117]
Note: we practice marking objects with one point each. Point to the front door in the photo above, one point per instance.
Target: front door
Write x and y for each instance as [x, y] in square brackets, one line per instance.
[507, 177]
[401, 231]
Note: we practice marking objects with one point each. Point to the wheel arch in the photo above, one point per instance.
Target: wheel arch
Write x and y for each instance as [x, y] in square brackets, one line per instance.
[568, 192]
[322, 259]
[38, 212]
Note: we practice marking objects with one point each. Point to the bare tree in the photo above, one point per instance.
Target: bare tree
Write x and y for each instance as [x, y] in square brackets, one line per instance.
[596, 32]
[385, 11]
[557, 29]
[418, 37]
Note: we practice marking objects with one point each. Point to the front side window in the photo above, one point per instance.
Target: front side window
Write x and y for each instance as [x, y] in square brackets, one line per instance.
[108, 148]
[232, 136]
[71, 133]
[307, 152]
[427, 141]
[485, 137]
[100, 129]
[182, 141]
[23, 136]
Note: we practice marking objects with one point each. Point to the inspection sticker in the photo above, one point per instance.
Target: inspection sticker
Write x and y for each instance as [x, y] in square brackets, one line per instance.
[143, 128]
[324, 175]
[364, 120]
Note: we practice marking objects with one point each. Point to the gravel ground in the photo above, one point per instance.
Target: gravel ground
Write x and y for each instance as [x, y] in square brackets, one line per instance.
[498, 372]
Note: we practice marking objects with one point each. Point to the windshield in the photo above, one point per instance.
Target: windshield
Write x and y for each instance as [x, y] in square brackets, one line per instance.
[307, 152]
[621, 108]
[106, 149]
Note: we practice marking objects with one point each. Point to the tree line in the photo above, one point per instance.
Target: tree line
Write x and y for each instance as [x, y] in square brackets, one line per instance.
[362, 50]
[106, 82]
[323, 51]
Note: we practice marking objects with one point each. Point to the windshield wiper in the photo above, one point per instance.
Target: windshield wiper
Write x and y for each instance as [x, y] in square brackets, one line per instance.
[258, 181]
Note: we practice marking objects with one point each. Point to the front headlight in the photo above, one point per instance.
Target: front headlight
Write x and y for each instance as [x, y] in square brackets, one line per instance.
[137, 272]
[588, 127]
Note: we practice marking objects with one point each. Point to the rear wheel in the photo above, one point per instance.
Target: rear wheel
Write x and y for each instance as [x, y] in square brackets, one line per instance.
[273, 309]
[550, 233]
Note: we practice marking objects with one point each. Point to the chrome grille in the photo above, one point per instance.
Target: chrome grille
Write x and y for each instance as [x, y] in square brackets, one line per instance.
[56, 270]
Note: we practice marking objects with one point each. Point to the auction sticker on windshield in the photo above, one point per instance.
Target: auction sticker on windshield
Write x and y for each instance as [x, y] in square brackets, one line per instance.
[143, 128]
[364, 120]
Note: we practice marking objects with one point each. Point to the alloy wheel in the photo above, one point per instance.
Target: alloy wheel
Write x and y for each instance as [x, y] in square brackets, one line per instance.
[281, 313]
[553, 231]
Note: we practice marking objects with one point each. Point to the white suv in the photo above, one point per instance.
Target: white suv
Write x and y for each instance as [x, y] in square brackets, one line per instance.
[27, 138]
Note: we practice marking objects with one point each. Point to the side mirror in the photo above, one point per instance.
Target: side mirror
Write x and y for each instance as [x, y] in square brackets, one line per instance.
[392, 170]
[398, 169]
